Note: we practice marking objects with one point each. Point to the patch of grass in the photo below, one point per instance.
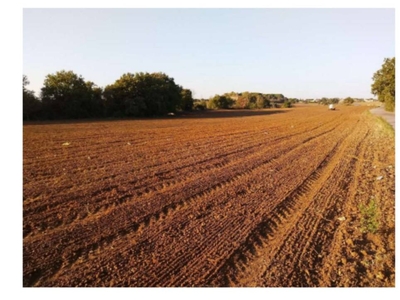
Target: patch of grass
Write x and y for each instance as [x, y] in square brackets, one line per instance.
[385, 127]
[382, 125]
[369, 216]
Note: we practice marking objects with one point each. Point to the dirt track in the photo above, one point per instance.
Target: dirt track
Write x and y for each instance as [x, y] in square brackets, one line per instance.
[263, 198]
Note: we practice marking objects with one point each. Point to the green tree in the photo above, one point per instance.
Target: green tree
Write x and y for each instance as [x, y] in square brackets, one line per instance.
[31, 105]
[187, 99]
[287, 104]
[243, 101]
[142, 94]
[252, 100]
[262, 101]
[327, 101]
[96, 102]
[200, 104]
[165, 91]
[384, 84]
[218, 102]
[65, 95]
[348, 101]
[25, 82]
[119, 97]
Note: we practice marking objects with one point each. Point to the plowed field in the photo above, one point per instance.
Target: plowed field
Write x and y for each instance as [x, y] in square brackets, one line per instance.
[271, 198]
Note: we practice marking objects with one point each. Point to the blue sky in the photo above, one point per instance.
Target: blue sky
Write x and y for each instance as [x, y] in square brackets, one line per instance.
[304, 53]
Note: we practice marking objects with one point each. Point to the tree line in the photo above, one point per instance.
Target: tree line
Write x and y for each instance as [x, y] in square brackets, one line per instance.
[249, 100]
[66, 95]
[384, 85]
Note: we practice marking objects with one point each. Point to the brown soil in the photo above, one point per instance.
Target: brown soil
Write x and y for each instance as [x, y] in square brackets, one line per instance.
[221, 198]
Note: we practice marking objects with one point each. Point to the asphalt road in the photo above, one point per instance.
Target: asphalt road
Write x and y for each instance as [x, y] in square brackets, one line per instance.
[388, 116]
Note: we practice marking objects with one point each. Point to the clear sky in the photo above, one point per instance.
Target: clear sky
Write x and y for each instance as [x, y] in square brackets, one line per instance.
[304, 53]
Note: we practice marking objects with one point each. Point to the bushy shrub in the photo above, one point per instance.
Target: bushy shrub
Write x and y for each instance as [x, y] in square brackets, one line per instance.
[187, 100]
[287, 104]
[218, 102]
[348, 101]
[200, 105]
